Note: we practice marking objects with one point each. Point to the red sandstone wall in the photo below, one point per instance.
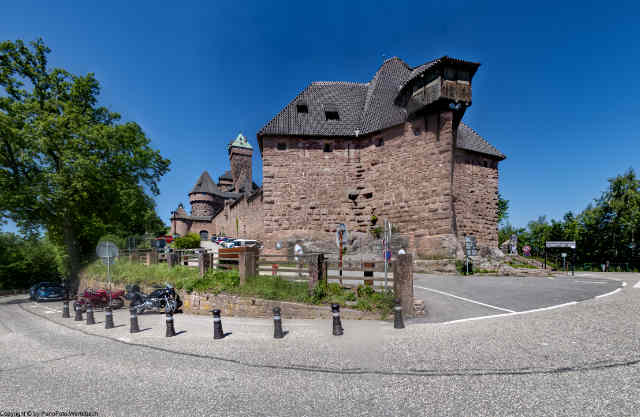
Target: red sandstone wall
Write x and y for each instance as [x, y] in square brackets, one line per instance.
[407, 180]
[249, 213]
[476, 197]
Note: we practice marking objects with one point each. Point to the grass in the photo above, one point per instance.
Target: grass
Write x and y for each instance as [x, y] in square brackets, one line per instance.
[228, 282]
[522, 265]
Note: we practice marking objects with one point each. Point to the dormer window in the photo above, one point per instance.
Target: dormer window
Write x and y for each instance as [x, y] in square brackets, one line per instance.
[327, 148]
[379, 142]
[302, 108]
[281, 146]
[332, 115]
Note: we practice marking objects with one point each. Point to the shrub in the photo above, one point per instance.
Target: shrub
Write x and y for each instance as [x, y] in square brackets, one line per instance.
[190, 241]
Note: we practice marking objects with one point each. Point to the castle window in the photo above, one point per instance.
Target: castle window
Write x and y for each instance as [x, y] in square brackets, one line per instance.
[327, 148]
[204, 235]
[302, 108]
[485, 164]
[281, 146]
[379, 142]
[332, 115]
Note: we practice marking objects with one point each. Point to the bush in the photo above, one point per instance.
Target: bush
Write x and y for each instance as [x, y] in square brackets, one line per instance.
[190, 241]
[26, 261]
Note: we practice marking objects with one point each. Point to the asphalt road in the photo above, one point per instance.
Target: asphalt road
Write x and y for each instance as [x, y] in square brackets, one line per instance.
[450, 298]
[579, 360]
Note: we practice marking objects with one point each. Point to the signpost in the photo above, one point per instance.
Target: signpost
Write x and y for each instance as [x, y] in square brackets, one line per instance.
[108, 251]
[513, 245]
[562, 244]
[341, 237]
[470, 249]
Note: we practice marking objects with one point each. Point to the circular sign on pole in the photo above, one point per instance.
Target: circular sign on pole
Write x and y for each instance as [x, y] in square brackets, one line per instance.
[107, 249]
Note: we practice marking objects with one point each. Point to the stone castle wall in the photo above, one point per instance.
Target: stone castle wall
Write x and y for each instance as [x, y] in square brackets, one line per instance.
[240, 161]
[476, 197]
[249, 212]
[403, 174]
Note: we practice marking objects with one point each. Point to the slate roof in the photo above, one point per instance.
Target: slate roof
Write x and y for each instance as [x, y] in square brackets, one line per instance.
[206, 185]
[226, 176]
[470, 140]
[362, 107]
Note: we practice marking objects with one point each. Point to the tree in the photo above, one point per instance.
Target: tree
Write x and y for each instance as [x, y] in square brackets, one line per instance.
[66, 164]
[25, 261]
[503, 209]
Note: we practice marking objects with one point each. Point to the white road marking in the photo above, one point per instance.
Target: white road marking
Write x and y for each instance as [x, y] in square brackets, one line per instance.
[609, 293]
[637, 285]
[515, 313]
[465, 299]
[624, 284]
[592, 282]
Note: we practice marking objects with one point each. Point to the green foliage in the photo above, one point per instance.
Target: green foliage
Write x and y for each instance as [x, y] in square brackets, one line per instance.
[377, 232]
[190, 241]
[365, 291]
[503, 209]
[26, 261]
[67, 164]
[603, 231]
[217, 281]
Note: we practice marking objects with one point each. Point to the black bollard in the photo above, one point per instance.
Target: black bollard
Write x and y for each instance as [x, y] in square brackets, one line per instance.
[65, 310]
[78, 310]
[108, 318]
[337, 324]
[90, 318]
[217, 325]
[134, 321]
[398, 323]
[171, 330]
[277, 324]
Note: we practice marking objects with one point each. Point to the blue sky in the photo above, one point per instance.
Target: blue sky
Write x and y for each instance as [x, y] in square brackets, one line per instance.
[556, 91]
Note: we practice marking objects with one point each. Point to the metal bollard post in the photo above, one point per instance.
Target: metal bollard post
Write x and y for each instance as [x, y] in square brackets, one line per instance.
[277, 324]
[108, 318]
[65, 309]
[134, 328]
[171, 330]
[78, 310]
[398, 323]
[90, 318]
[217, 325]
[337, 324]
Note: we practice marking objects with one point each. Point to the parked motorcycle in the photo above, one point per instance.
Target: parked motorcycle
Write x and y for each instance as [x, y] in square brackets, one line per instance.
[162, 299]
[99, 299]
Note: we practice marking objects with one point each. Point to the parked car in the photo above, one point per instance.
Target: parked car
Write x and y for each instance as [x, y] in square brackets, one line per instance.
[46, 291]
[244, 242]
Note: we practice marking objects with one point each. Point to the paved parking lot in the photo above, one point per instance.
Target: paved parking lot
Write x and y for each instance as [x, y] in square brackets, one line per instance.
[449, 298]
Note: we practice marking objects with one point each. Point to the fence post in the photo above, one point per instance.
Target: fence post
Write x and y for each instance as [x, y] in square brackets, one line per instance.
[316, 266]
[171, 259]
[247, 263]
[403, 283]
[204, 263]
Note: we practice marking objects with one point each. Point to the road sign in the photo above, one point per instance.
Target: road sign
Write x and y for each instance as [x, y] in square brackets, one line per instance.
[470, 245]
[107, 249]
[563, 254]
[108, 261]
[278, 245]
[526, 250]
[561, 244]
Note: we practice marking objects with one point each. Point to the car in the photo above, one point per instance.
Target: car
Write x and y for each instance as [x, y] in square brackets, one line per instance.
[46, 291]
[244, 242]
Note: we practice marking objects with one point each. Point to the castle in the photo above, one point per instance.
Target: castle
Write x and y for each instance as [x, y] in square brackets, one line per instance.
[344, 152]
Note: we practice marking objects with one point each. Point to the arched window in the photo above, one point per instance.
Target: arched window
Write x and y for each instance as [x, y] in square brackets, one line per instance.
[204, 235]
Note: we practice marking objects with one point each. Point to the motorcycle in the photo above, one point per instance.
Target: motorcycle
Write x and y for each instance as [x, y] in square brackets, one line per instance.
[99, 299]
[161, 300]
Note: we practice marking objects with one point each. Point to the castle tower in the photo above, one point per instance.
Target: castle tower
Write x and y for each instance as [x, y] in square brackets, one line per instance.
[240, 153]
[204, 197]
